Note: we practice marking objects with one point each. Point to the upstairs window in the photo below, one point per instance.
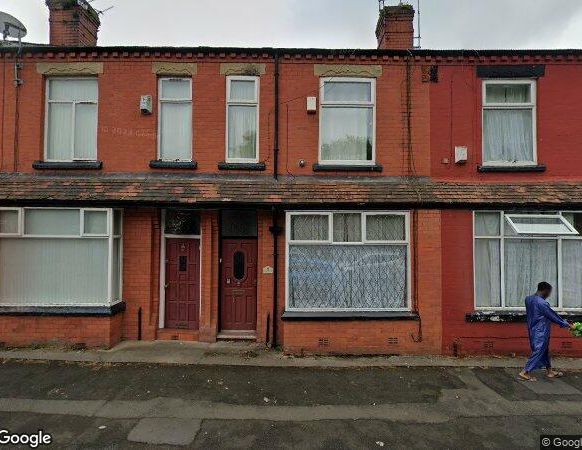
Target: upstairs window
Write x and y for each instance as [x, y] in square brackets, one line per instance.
[509, 122]
[242, 119]
[347, 121]
[71, 119]
[175, 123]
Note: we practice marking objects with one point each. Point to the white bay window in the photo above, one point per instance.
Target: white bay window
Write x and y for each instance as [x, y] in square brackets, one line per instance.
[347, 261]
[514, 252]
[509, 122]
[60, 257]
[347, 121]
[71, 119]
[242, 119]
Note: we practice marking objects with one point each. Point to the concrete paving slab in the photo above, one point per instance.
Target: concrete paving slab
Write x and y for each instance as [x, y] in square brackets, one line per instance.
[545, 386]
[160, 431]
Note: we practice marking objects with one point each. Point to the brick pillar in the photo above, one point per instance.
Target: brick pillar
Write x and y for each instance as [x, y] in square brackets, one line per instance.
[210, 276]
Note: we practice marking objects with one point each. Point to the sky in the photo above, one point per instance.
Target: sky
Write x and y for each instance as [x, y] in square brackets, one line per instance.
[320, 23]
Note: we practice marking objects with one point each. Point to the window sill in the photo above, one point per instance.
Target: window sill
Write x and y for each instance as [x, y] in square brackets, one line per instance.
[242, 166]
[505, 169]
[346, 168]
[158, 164]
[59, 311]
[73, 165]
[348, 316]
[512, 316]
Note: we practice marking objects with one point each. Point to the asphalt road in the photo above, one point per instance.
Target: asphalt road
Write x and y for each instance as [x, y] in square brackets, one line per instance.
[94, 406]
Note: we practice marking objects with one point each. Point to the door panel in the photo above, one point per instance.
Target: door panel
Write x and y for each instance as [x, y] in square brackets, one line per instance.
[238, 308]
[182, 283]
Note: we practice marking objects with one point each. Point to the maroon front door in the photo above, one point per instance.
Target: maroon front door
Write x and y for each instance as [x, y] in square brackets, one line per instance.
[182, 283]
[238, 308]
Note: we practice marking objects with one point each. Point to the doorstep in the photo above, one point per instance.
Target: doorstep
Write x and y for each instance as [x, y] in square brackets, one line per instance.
[171, 334]
[237, 335]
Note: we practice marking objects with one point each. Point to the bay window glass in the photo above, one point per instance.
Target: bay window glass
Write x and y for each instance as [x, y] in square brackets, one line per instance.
[242, 119]
[510, 262]
[52, 263]
[509, 122]
[71, 128]
[175, 128]
[347, 121]
[332, 266]
[9, 221]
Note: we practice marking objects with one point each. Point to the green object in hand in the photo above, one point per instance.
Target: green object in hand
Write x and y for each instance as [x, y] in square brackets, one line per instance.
[577, 331]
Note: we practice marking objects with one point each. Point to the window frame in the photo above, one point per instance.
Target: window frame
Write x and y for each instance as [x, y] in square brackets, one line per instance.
[502, 237]
[20, 223]
[161, 101]
[48, 102]
[255, 102]
[510, 106]
[331, 104]
[110, 237]
[367, 243]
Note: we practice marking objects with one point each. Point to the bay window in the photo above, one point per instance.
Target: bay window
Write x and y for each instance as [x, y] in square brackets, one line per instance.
[71, 119]
[347, 261]
[175, 122]
[514, 252]
[242, 119]
[60, 257]
[347, 121]
[509, 122]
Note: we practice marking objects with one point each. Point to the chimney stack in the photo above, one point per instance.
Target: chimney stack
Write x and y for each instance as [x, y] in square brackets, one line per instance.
[395, 30]
[73, 23]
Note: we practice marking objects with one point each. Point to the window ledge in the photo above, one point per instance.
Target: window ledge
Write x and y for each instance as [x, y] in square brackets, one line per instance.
[349, 316]
[489, 169]
[512, 316]
[73, 165]
[68, 311]
[347, 168]
[158, 164]
[242, 166]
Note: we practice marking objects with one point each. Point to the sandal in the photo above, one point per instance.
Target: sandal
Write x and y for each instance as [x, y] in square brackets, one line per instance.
[523, 377]
[553, 374]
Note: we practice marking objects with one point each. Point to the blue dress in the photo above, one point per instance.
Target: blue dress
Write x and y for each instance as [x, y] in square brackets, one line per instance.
[539, 323]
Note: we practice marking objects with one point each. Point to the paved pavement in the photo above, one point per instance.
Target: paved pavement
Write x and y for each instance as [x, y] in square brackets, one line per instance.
[103, 405]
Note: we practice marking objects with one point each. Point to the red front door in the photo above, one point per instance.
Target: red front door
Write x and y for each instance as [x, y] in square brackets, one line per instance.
[182, 283]
[238, 309]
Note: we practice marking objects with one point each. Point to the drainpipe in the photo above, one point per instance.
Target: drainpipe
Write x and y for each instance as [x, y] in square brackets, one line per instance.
[276, 139]
[275, 231]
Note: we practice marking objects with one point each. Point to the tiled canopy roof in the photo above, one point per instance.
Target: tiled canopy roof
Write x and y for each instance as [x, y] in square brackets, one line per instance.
[200, 190]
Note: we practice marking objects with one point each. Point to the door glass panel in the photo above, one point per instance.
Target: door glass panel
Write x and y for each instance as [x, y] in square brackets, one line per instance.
[239, 223]
[183, 263]
[239, 265]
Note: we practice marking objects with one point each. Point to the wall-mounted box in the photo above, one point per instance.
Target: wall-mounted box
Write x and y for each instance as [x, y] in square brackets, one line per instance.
[311, 105]
[461, 155]
[146, 104]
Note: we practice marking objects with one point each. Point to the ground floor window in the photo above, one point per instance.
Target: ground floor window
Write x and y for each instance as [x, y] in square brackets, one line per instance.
[514, 252]
[60, 257]
[347, 261]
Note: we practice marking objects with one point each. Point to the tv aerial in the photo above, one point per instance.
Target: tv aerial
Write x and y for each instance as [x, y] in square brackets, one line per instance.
[11, 27]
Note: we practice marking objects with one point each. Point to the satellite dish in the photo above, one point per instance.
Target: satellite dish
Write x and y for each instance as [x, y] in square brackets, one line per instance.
[11, 27]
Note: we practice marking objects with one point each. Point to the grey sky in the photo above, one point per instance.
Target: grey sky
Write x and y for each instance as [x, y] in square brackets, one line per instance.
[321, 23]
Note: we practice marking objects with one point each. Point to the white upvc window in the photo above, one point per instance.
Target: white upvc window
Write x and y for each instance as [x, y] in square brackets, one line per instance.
[509, 123]
[175, 119]
[342, 261]
[515, 252]
[242, 119]
[71, 119]
[347, 121]
[60, 256]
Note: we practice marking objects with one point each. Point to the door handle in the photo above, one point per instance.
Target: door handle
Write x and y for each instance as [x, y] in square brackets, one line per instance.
[166, 286]
[228, 281]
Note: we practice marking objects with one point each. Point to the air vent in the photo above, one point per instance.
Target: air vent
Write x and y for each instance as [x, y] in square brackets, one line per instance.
[323, 342]
[568, 345]
[488, 345]
[392, 341]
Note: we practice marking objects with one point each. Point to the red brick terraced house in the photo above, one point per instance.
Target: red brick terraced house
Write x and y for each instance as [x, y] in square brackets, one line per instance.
[382, 201]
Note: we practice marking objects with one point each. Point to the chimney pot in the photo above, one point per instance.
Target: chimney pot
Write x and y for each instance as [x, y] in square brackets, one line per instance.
[73, 23]
[395, 30]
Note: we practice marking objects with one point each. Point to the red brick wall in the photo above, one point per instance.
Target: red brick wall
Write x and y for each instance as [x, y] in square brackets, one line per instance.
[456, 120]
[460, 337]
[24, 331]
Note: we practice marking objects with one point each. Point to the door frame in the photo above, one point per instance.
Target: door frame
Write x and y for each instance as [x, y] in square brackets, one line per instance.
[220, 289]
[163, 239]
